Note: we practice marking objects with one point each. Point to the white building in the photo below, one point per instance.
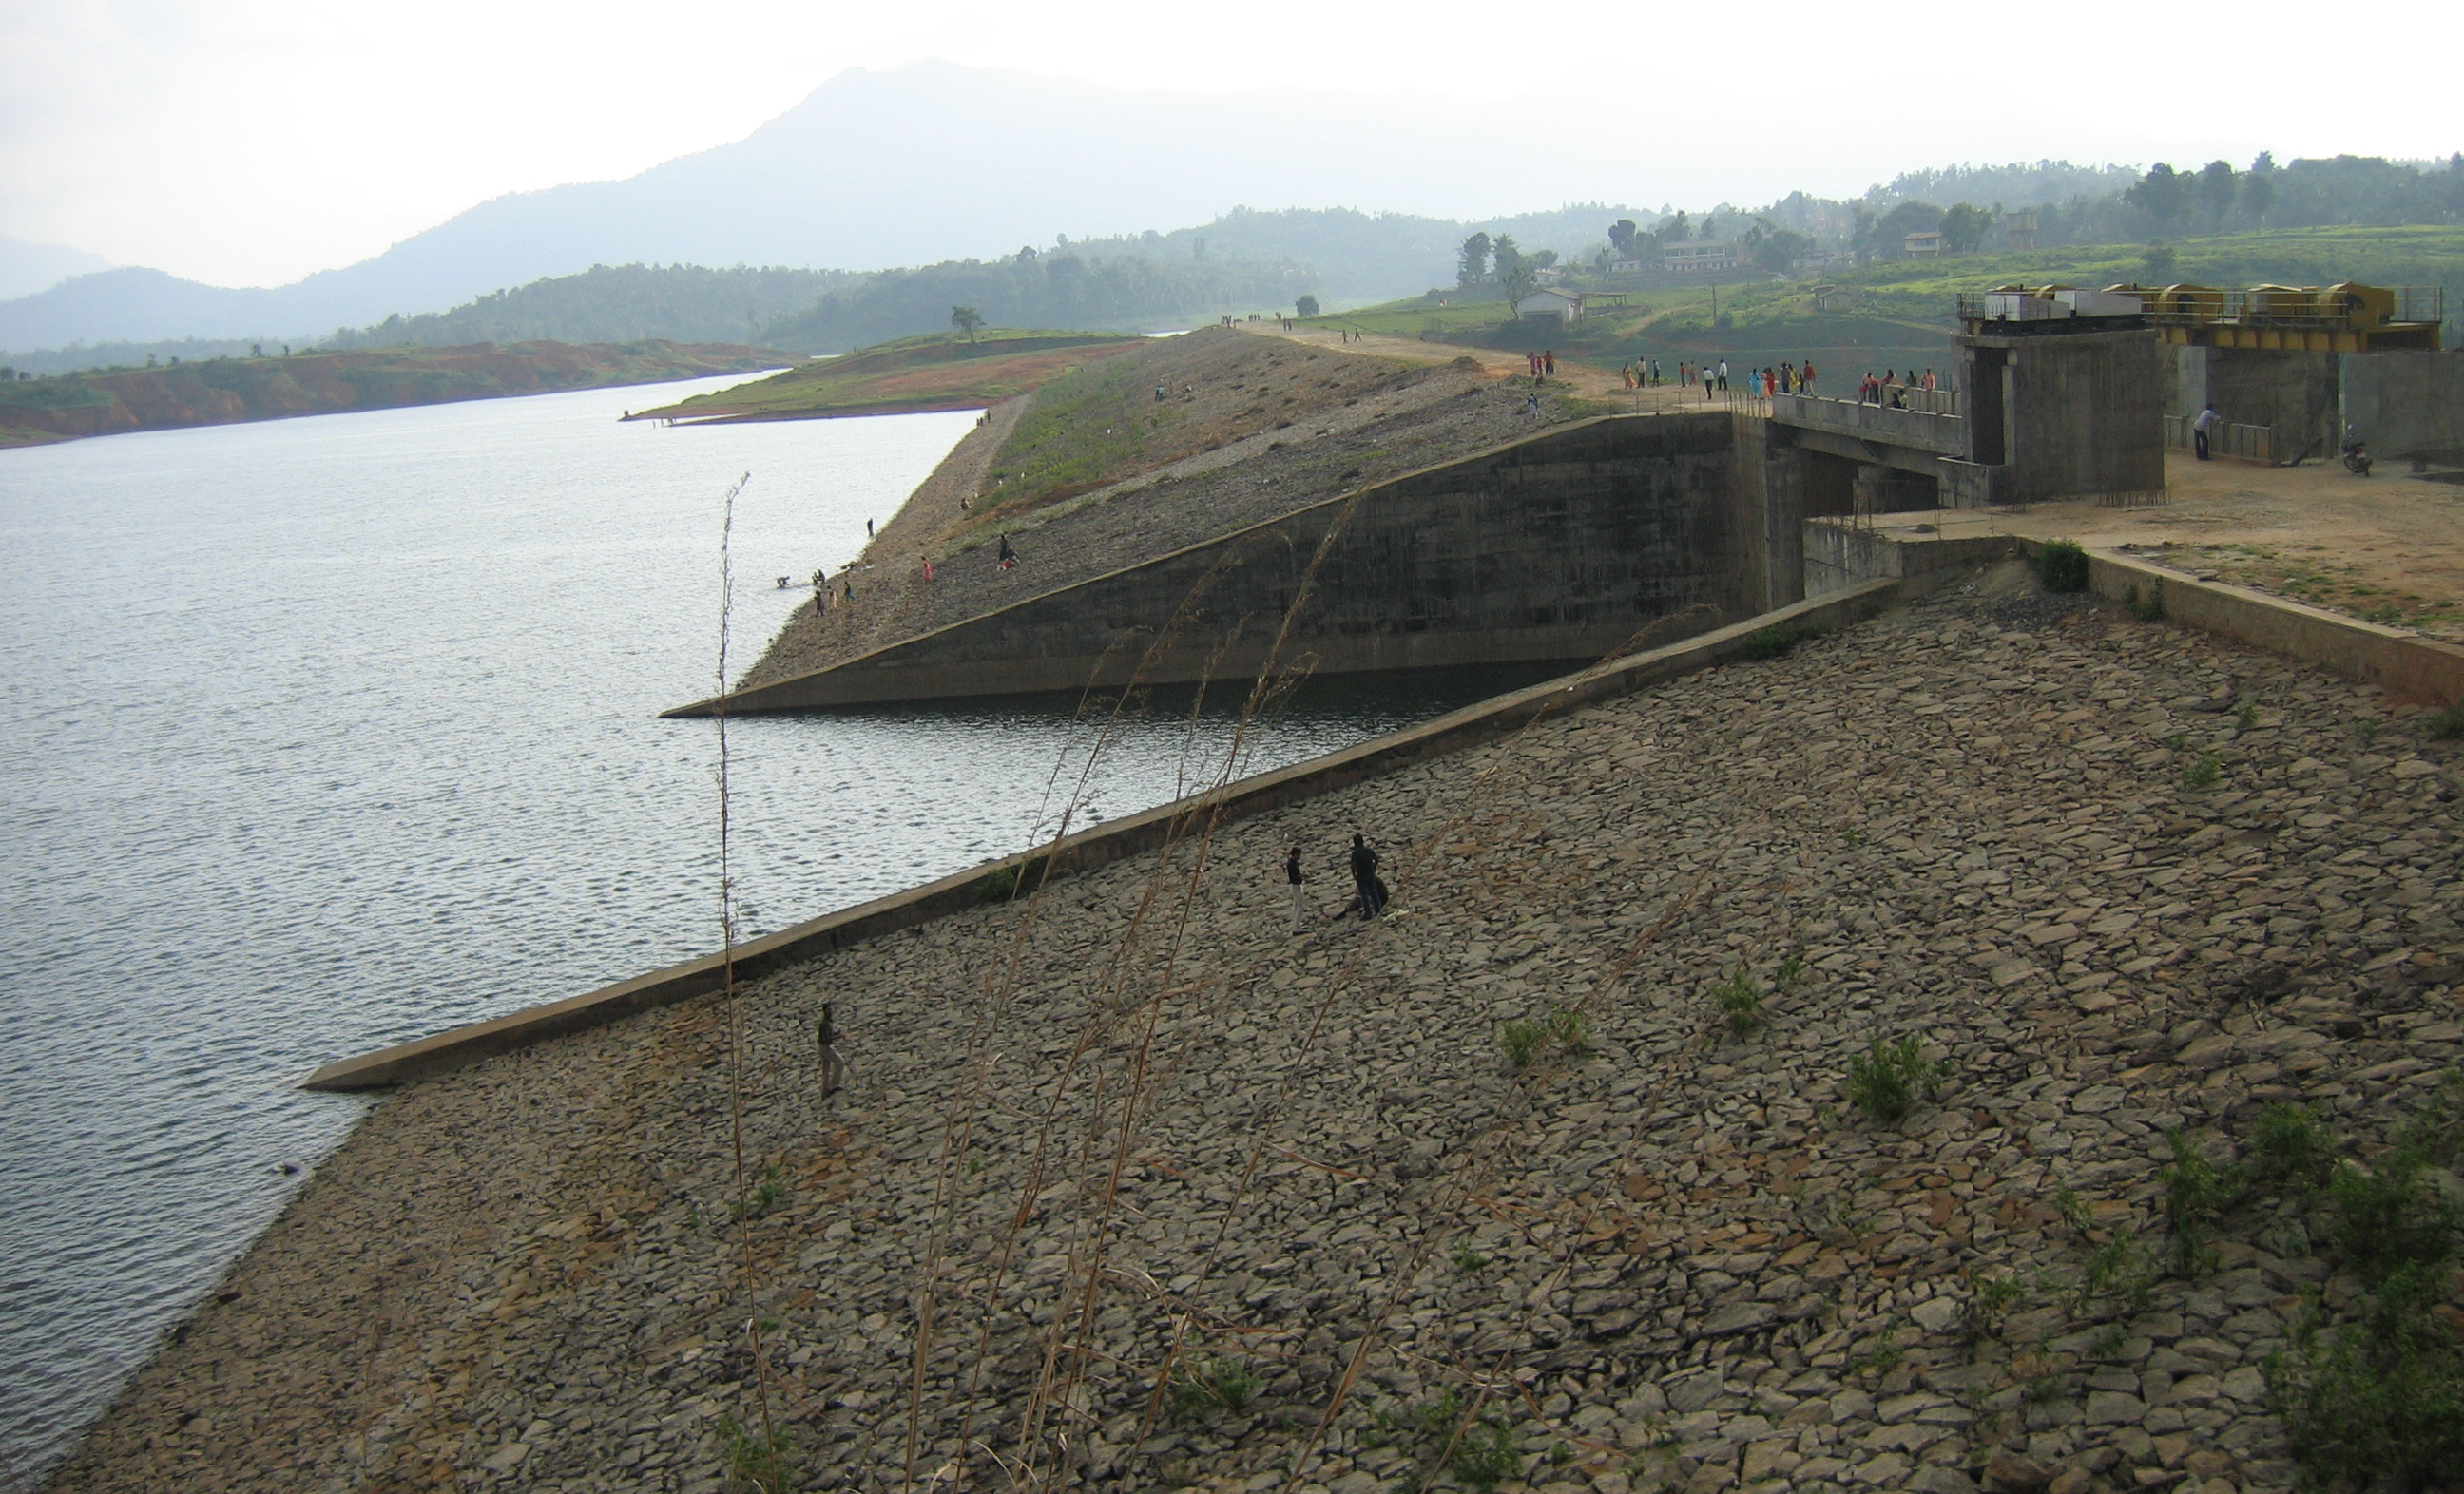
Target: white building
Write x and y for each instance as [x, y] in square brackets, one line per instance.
[1553, 303]
[1695, 258]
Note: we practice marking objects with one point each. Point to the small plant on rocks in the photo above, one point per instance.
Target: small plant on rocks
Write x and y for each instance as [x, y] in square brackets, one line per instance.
[767, 1194]
[1524, 1039]
[1890, 1079]
[1203, 1389]
[1486, 1456]
[756, 1464]
[2204, 773]
[1769, 643]
[2247, 717]
[1989, 1302]
[1468, 1259]
[2061, 565]
[2366, 728]
[2118, 1269]
[1740, 1001]
[2447, 725]
[2290, 1152]
[2197, 1194]
[2150, 611]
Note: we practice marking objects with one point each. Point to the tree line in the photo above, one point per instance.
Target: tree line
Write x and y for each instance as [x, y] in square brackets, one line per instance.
[1036, 287]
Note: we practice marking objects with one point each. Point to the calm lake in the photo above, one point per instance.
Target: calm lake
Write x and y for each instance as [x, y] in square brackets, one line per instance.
[325, 733]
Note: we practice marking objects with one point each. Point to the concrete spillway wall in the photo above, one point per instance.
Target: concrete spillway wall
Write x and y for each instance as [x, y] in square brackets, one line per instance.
[1563, 547]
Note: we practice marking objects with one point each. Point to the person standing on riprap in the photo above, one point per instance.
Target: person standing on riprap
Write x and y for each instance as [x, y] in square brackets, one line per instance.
[1293, 875]
[1364, 877]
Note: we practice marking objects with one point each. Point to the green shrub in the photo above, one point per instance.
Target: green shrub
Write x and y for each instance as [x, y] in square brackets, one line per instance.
[2290, 1152]
[1001, 884]
[2118, 1269]
[1740, 1001]
[1202, 1388]
[2391, 1217]
[756, 1464]
[2204, 773]
[2153, 610]
[2061, 565]
[2447, 725]
[1486, 1456]
[2377, 1402]
[2197, 1193]
[1524, 1039]
[1889, 1080]
[1769, 643]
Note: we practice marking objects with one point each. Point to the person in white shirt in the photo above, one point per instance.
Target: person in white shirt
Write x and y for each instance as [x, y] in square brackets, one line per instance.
[2199, 429]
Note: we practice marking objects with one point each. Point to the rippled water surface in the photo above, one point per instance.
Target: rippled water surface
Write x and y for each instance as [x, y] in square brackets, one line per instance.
[325, 733]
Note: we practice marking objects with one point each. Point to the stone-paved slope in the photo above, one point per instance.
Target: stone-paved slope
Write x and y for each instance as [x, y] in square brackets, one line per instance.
[1138, 1112]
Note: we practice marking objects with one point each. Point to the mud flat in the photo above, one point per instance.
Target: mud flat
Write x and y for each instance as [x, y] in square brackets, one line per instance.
[1133, 1188]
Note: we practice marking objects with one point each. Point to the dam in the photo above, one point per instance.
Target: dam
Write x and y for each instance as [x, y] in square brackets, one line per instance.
[1576, 542]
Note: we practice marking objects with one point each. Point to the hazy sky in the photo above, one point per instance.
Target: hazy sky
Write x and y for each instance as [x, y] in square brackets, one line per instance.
[249, 142]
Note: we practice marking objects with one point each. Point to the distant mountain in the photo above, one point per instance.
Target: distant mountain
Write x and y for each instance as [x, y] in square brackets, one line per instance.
[28, 267]
[926, 164]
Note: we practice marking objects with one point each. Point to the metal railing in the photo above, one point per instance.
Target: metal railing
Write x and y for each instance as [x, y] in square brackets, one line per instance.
[2240, 443]
[2257, 307]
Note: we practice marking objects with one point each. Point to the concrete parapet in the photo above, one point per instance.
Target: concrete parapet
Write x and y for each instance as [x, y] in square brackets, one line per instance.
[1942, 436]
[2407, 666]
[1129, 836]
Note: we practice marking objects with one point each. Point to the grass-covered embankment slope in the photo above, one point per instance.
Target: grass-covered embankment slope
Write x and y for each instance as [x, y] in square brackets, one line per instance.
[1106, 421]
[227, 391]
[908, 376]
[1895, 312]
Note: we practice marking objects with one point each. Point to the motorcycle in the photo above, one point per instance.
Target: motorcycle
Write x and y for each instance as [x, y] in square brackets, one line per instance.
[2357, 454]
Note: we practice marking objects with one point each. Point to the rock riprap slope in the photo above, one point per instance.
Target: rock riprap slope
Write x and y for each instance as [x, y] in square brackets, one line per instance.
[1132, 1188]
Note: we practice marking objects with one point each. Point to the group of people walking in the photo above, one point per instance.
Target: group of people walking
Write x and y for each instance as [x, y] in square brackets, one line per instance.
[1543, 365]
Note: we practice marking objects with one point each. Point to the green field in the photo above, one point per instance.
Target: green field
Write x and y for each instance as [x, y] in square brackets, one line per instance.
[1900, 312]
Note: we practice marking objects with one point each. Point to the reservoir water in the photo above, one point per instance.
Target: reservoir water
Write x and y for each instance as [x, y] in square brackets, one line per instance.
[322, 734]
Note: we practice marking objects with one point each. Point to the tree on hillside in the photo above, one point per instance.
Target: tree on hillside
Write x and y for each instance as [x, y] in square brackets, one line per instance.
[1675, 231]
[1777, 248]
[1516, 274]
[2163, 196]
[1471, 264]
[2216, 191]
[1306, 305]
[966, 319]
[2258, 188]
[1622, 237]
[1964, 226]
[1892, 228]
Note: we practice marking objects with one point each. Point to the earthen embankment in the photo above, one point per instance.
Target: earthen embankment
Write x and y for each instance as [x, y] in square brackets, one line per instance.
[1134, 1187]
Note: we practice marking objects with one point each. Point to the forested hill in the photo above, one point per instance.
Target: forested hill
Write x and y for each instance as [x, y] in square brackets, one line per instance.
[229, 390]
[1122, 292]
[618, 304]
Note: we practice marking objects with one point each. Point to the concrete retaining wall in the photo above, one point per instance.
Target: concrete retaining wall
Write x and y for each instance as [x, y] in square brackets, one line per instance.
[1840, 555]
[1129, 836]
[2406, 404]
[1563, 546]
[2408, 667]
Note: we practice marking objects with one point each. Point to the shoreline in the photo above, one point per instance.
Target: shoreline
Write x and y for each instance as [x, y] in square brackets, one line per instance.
[1138, 1110]
[251, 391]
